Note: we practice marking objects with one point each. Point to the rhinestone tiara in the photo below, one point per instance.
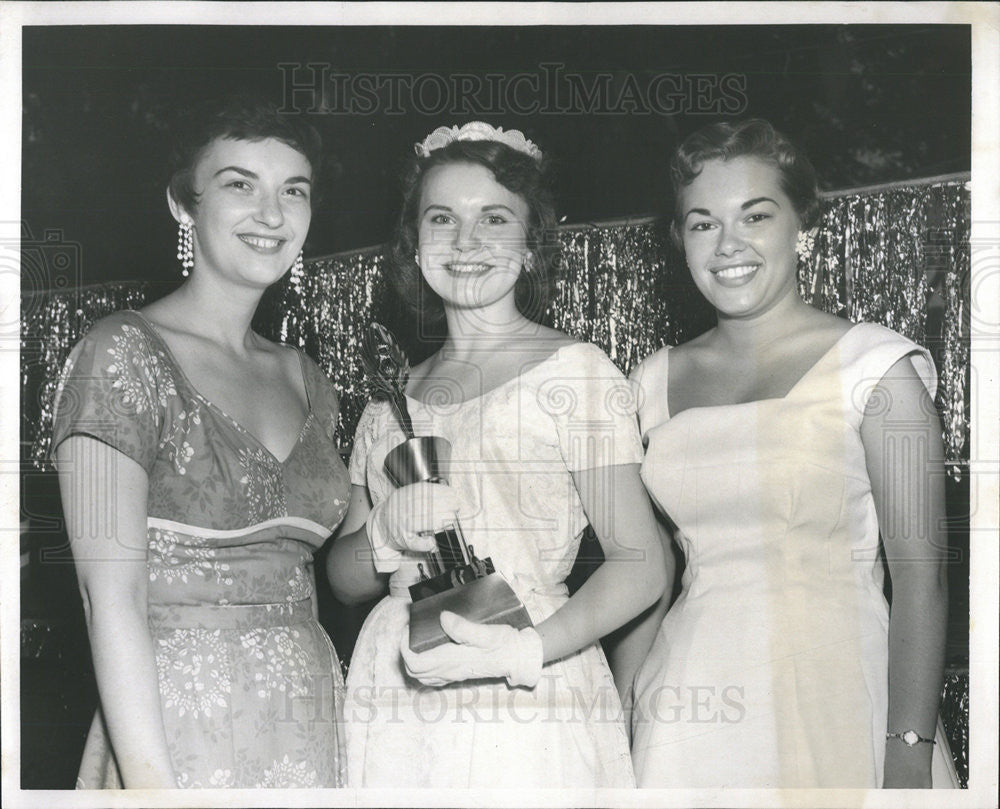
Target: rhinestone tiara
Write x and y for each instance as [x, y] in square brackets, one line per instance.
[477, 130]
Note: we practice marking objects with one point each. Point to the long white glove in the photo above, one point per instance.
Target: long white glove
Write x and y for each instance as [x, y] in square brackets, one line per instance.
[478, 651]
[406, 520]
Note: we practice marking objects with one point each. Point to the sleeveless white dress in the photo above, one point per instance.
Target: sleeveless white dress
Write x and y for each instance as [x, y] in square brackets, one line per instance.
[771, 668]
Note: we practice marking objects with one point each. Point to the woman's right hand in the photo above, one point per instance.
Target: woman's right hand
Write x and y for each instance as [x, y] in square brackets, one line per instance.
[407, 519]
[371, 540]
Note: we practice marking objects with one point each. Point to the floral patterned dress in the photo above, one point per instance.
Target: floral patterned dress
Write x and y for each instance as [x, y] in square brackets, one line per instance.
[250, 685]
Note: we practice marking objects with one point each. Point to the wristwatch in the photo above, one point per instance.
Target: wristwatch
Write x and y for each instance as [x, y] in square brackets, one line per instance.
[910, 738]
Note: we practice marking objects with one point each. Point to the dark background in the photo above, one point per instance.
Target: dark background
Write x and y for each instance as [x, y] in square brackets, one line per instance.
[870, 104]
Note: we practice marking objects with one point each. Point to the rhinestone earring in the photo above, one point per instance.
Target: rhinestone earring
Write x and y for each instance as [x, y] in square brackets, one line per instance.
[295, 277]
[185, 247]
[805, 244]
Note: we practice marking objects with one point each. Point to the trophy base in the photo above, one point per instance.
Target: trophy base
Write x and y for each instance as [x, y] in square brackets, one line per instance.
[486, 600]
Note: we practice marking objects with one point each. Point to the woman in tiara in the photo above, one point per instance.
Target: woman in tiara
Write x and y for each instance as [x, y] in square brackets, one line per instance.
[543, 440]
[193, 509]
[782, 443]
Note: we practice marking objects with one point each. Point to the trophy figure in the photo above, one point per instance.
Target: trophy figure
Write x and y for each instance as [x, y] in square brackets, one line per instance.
[452, 578]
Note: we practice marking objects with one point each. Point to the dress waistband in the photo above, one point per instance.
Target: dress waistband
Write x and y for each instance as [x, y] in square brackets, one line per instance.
[229, 616]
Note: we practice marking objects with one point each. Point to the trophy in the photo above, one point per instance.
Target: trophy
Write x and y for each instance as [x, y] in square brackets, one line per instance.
[452, 577]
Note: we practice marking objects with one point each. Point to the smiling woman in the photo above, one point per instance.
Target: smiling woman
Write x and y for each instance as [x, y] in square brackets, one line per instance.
[252, 211]
[472, 246]
[194, 509]
[792, 450]
[543, 440]
[734, 240]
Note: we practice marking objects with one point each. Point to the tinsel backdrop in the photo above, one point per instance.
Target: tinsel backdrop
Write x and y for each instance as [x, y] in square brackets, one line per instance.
[896, 255]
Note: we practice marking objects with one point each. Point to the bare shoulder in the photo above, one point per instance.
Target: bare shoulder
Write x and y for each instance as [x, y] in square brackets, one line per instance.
[283, 351]
[689, 360]
[827, 325]
[697, 349]
[293, 360]
[650, 365]
[552, 339]
[159, 313]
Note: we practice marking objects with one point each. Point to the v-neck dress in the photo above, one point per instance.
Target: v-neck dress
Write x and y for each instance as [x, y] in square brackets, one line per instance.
[771, 668]
[250, 685]
[514, 450]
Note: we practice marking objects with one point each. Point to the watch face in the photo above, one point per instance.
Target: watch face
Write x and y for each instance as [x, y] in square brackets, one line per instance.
[910, 737]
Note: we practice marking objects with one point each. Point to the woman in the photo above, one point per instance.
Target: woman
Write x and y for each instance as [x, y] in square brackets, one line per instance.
[782, 443]
[543, 440]
[194, 509]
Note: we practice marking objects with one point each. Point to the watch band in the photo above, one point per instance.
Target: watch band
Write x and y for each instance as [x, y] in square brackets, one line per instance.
[910, 738]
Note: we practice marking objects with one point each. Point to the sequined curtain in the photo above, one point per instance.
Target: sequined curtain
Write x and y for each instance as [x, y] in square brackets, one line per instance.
[900, 257]
[52, 321]
[895, 255]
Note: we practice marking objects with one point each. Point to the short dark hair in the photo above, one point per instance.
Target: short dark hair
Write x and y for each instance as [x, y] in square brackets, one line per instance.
[515, 171]
[236, 117]
[753, 137]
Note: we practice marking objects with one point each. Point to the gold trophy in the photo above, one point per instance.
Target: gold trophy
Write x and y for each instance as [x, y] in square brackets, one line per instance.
[452, 578]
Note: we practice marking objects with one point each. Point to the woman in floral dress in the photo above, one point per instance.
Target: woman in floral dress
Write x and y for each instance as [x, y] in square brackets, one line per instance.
[194, 509]
[544, 440]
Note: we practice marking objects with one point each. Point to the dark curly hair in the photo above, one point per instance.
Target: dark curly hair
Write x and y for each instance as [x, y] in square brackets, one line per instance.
[753, 137]
[236, 117]
[515, 171]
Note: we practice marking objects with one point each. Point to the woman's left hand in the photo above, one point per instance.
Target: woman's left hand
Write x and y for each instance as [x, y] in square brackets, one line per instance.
[478, 651]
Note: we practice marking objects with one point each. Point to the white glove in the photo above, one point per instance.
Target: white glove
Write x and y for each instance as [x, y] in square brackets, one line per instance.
[406, 521]
[478, 651]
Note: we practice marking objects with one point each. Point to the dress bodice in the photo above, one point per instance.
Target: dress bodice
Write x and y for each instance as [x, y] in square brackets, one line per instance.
[777, 491]
[772, 664]
[229, 523]
[512, 451]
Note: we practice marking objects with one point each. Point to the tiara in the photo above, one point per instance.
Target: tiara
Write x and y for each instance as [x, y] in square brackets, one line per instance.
[477, 130]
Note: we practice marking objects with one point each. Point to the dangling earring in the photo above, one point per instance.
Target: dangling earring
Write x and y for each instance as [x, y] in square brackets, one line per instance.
[805, 244]
[185, 247]
[529, 263]
[295, 276]
[416, 257]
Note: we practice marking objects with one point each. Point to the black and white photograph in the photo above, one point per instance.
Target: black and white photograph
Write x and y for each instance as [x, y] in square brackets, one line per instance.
[499, 404]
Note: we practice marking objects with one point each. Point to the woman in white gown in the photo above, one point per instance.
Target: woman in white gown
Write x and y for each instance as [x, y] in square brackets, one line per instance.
[783, 442]
[544, 441]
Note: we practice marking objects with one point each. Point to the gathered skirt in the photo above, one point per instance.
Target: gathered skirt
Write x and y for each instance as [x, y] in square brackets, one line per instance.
[567, 732]
[251, 696]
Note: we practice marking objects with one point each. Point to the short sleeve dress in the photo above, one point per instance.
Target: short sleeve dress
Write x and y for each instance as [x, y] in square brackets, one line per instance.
[250, 685]
[771, 667]
[513, 452]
